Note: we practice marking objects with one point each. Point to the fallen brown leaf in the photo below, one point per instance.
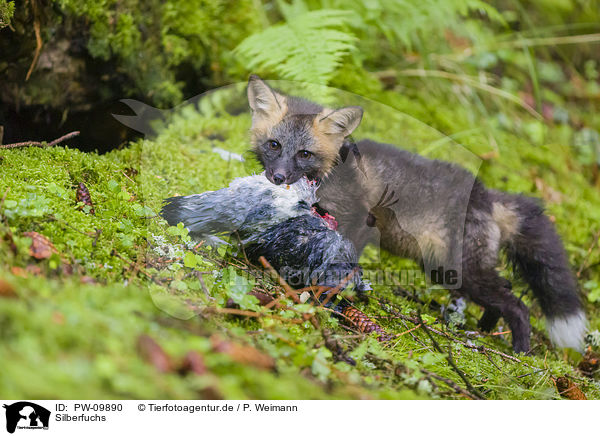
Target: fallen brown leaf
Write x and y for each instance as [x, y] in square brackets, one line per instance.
[193, 362]
[7, 290]
[41, 247]
[18, 271]
[58, 318]
[244, 354]
[263, 299]
[87, 280]
[34, 270]
[154, 354]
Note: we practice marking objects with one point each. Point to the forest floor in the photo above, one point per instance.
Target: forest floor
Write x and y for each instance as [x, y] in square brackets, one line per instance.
[113, 304]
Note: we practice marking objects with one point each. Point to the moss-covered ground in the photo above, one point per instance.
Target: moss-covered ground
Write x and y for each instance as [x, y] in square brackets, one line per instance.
[115, 309]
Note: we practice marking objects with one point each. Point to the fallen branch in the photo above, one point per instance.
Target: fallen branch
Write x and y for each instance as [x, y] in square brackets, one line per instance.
[287, 288]
[289, 292]
[479, 348]
[248, 313]
[41, 143]
[451, 362]
[584, 265]
[136, 268]
[339, 287]
[457, 388]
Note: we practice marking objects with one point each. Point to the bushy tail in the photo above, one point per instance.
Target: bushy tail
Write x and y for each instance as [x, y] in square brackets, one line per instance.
[537, 252]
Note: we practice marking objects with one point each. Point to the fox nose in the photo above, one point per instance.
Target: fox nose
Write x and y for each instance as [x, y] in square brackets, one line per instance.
[278, 178]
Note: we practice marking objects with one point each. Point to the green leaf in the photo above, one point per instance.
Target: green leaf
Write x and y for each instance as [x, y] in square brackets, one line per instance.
[309, 47]
[594, 291]
[320, 367]
[429, 320]
[113, 186]
[237, 288]
[189, 260]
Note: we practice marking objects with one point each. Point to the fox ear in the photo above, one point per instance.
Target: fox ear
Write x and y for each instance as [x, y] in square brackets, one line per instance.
[341, 121]
[264, 101]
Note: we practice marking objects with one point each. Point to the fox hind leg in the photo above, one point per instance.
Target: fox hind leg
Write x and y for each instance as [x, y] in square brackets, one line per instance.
[489, 290]
[491, 315]
[489, 319]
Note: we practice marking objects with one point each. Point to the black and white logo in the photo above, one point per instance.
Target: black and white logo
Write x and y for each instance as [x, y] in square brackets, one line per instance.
[26, 415]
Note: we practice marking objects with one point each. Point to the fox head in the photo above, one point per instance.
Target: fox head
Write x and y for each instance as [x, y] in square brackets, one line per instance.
[292, 137]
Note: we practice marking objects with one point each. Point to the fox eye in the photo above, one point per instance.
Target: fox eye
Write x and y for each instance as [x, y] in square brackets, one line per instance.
[273, 145]
[304, 154]
[371, 220]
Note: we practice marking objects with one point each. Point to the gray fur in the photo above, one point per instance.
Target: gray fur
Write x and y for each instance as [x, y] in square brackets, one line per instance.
[441, 216]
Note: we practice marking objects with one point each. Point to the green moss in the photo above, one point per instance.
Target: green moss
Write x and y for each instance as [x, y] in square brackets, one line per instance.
[7, 10]
[60, 337]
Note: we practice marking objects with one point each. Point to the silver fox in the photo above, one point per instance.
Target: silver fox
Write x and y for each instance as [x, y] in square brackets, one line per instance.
[434, 212]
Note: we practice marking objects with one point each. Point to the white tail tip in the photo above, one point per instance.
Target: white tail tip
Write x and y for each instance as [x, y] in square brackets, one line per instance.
[568, 331]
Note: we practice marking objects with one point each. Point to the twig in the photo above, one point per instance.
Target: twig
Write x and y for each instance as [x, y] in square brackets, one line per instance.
[131, 264]
[249, 313]
[38, 39]
[408, 331]
[457, 388]
[479, 348]
[339, 287]
[98, 231]
[589, 252]
[288, 290]
[451, 362]
[204, 287]
[42, 143]
[66, 224]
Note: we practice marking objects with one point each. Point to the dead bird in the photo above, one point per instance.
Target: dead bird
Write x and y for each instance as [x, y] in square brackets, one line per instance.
[278, 222]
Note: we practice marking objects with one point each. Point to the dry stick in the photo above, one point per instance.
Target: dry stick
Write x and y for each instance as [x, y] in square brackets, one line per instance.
[479, 348]
[339, 287]
[288, 290]
[38, 39]
[531, 373]
[41, 144]
[457, 388]
[451, 362]
[98, 231]
[204, 287]
[250, 313]
[131, 264]
[589, 252]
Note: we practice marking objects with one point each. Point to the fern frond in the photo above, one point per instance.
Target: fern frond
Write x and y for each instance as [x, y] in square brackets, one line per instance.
[404, 20]
[307, 47]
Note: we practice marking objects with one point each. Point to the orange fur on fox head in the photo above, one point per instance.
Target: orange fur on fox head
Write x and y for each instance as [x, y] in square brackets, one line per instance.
[292, 137]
